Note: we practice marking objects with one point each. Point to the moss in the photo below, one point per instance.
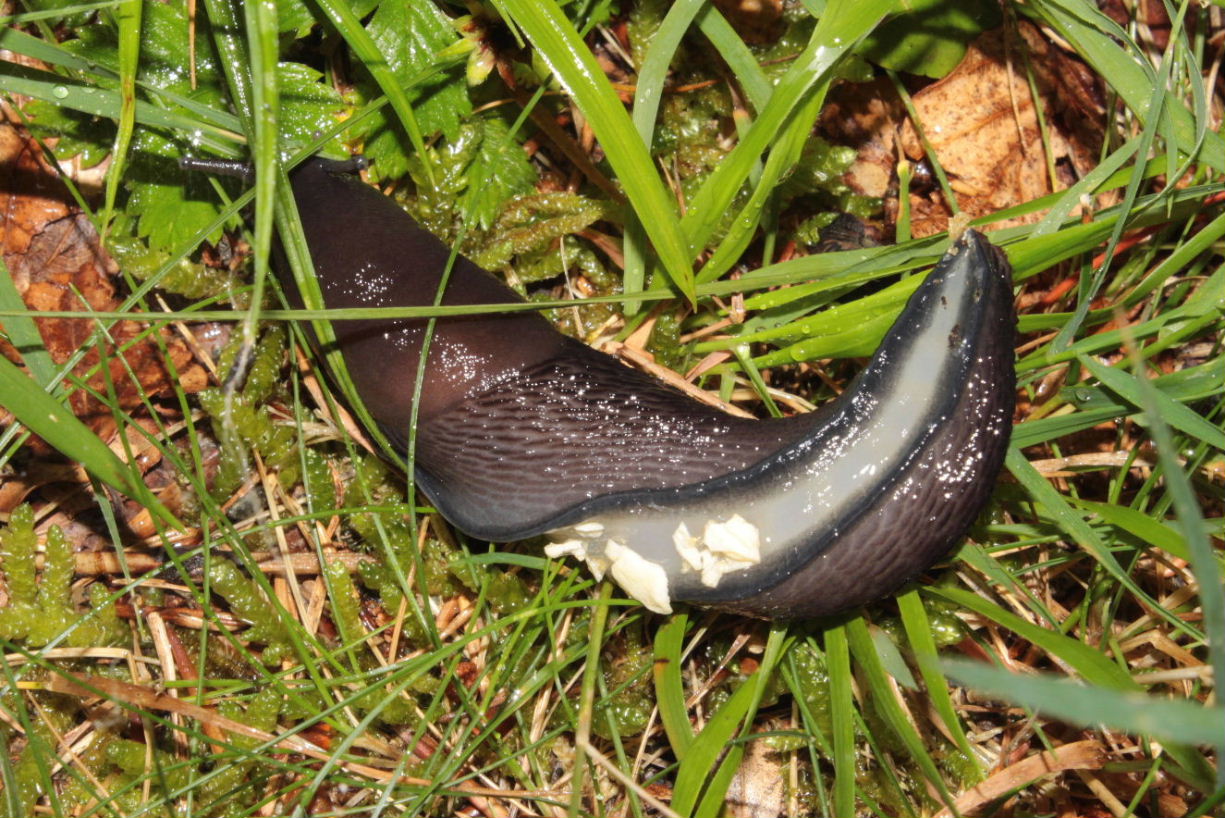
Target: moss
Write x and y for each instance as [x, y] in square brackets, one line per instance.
[18, 544]
[56, 714]
[80, 791]
[235, 786]
[232, 788]
[596, 280]
[436, 206]
[248, 602]
[346, 614]
[183, 277]
[812, 677]
[112, 629]
[246, 424]
[264, 373]
[631, 696]
[40, 608]
[317, 480]
[221, 659]
[242, 422]
[346, 608]
[645, 18]
[28, 773]
[54, 603]
[506, 592]
[373, 484]
[378, 577]
[665, 342]
[531, 226]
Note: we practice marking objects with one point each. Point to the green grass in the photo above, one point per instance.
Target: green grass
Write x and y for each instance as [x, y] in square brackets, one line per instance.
[429, 679]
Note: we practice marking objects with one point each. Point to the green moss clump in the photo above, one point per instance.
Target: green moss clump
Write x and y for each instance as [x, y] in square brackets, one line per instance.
[374, 484]
[183, 277]
[27, 774]
[812, 676]
[631, 693]
[55, 591]
[242, 422]
[40, 609]
[346, 609]
[18, 544]
[225, 789]
[378, 577]
[248, 602]
[317, 480]
[111, 629]
[506, 592]
[79, 792]
[665, 342]
[531, 226]
[346, 614]
[264, 371]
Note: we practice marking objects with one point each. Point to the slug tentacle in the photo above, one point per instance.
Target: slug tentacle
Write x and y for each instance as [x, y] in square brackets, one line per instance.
[522, 431]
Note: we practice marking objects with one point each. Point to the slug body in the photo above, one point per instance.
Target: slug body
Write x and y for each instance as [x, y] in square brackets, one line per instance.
[523, 431]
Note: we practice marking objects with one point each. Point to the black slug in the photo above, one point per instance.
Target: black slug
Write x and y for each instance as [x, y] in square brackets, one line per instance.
[523, 431]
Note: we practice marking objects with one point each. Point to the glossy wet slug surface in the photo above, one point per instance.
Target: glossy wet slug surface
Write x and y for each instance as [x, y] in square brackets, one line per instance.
[523, 431]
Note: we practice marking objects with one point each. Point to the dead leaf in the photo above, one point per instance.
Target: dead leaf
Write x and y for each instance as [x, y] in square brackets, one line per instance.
[1080, 755]
[56, 261]
[982, 124]
[759, 787]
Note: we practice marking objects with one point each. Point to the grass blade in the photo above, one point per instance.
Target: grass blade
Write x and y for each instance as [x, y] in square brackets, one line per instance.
[53, 422]
[17, 79]
[1096, 39]
[1095, 667]
[736, 54]
[1164, 719]
[1166, 408]
[128, 17]
[843, 24]
[842, 710]
[1080, 531]
[669, 688]
[886, 704]
[919, 633]
[647, 96]
[1204, 563]
[366, 50]
[575, 67]
[22, 332]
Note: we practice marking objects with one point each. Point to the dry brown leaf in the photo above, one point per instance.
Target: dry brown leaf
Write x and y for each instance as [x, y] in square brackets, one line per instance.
[759, 787]
[982, 124]
[56, 261]
[1079, 755]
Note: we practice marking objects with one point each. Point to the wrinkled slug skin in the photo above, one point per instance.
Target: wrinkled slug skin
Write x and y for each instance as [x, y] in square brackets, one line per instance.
[523, 431]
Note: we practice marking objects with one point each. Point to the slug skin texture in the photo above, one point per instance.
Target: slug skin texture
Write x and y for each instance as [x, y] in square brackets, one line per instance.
[523, 431]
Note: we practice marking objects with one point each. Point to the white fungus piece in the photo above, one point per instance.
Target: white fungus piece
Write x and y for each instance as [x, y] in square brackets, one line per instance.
[687, 546]
[642, 579]
[580, 550]
[725, 546]
[567, 548]
[598, 566]
[735, 539]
